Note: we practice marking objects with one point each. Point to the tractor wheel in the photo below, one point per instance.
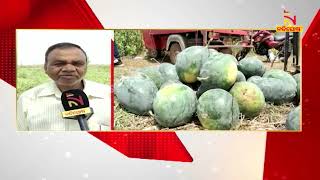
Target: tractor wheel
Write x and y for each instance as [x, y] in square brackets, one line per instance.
[152, 53]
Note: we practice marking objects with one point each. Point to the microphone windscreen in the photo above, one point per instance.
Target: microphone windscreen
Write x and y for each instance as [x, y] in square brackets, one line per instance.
[74, 99]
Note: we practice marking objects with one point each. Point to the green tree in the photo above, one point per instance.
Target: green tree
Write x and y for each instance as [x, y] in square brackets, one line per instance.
[129, 42]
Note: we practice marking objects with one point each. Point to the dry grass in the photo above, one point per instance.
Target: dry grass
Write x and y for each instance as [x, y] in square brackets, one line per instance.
[271, 118]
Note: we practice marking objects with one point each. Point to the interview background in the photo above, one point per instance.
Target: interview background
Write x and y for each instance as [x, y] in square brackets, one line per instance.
[46, 156]
[31, 45]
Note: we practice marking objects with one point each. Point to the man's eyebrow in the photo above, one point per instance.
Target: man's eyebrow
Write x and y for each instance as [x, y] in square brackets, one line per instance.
[64, 61]
[58, 61]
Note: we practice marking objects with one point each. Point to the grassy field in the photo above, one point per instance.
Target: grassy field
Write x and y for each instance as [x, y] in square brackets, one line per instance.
[271, 118]
[31, 76]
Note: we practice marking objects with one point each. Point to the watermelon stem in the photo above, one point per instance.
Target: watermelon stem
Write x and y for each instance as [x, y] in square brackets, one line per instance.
[202, 78]
[153, 59]
[150, 113]
[207, 46]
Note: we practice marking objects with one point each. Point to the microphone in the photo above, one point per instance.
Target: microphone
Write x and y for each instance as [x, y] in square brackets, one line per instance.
[76, 105]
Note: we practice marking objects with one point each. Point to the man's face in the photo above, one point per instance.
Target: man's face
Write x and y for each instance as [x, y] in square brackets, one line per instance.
[66, 67]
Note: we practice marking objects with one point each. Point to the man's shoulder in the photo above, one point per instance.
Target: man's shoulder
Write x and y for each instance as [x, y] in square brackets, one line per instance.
[35, 91]
[95, 88]
[93, 84]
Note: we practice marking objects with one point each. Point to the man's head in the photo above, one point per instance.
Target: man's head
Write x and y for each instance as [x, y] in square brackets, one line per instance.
[66, 64]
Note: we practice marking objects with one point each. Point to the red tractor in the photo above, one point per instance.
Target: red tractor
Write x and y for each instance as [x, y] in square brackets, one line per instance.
[171, 42]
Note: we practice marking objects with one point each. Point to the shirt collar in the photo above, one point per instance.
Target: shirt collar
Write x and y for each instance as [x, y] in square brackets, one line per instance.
[90, 88]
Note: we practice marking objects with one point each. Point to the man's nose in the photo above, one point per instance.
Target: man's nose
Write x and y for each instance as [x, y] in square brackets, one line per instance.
[68, 67]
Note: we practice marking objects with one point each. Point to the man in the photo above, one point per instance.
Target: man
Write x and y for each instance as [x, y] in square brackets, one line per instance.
[40, 107]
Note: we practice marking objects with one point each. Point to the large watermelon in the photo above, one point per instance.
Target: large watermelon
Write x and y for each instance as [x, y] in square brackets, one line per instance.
[154, 74]
[136, 94]
[249, 97]
[215, 55]
[213, 52]
[293, 119]
[189, 62]
[220, 73]
[217, 109]
[274, 90]
[280, 74]
[251, 66]
[174, 105]
[168, 72]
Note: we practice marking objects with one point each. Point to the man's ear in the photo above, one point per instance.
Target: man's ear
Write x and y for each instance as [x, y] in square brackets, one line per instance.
[45, 67]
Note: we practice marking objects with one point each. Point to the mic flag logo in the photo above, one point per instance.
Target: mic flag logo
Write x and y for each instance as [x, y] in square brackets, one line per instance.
[289, 23]
[73, 100]
[287, 20]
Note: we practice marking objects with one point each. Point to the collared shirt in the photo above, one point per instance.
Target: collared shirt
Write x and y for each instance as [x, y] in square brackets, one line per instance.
[40, 109]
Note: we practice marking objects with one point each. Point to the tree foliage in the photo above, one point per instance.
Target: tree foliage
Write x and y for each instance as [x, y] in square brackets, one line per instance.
[129, 42]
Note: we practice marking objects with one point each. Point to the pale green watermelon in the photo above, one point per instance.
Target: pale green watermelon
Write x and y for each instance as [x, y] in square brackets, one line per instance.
[174, 105]
[168, 72]
[220, 73]
[217, 109]
[189, 62]
[251, 66]
[293, 119]
[297, 78]
[280, 74]
[154, 74]
[249, 97]
[274, 90]
[136, 94]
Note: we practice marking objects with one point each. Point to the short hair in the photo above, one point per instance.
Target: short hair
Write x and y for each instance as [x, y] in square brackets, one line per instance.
[63, 45]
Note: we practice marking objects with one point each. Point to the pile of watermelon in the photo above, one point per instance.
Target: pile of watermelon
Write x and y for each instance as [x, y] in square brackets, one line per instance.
[210, 86]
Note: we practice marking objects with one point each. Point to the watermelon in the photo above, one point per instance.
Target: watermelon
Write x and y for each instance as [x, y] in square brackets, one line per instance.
[251, 66]
[280, 74]
[221, 73]
[293, 119]
[249, 97]
[170, 82]
[254, 79]
[217, 109]
[174, 105]
[297, 78]
[215, 55]
[154, 74]
[189, 62]
[136, 94]
[229, 56]
[274, 90]
[213, 52]
[168, 72]
[240, 77]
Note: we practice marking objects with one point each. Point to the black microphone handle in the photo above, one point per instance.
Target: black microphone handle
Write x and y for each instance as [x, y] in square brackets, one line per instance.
[82, 120]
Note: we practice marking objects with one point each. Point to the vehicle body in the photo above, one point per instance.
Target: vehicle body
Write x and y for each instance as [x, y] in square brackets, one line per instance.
[265, 40]
[170, 42]
[277, 46]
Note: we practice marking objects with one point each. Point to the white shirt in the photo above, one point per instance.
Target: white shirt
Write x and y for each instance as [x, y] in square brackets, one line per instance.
[40, 108]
